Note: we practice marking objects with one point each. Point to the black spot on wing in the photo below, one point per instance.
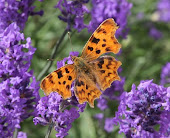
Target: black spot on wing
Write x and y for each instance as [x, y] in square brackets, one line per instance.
[77, 83]
[108, 65]
[68, 87]
[109, 74]
[98, 51]
[51, 81]
[110, 58]
[104, 31]
[108, 49]
[90, 48]
[102, 71]
[67, 71]
[50, 78]
[82, 83]
[100, 63]
[87, 87]
[69, 78]
[82, 91]
[59, 73]
[95, 40]
[103, 45]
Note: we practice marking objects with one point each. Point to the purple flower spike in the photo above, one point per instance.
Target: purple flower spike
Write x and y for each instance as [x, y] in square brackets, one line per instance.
[116, 9]
[165, 74]
[22, 135]
[18, 87]
[15, 11]
[163, 7]
[108, 125]
[73, 13]
[52, 109]
[144, 108]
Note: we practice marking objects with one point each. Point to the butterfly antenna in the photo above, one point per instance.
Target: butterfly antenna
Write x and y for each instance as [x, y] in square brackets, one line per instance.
[69, 37]
[48, 59]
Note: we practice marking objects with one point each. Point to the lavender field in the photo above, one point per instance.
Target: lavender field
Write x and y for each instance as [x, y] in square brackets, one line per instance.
[40, 36]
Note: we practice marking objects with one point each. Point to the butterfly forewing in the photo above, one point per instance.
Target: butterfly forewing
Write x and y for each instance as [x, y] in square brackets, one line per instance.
[106, 70]
[102, 41]
[59, 81]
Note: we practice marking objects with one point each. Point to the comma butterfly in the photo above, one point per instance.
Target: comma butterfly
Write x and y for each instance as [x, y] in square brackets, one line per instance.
[91, 72]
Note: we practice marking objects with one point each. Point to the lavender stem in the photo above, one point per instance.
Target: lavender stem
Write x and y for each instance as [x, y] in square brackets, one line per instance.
[49, 130]
[49, 63]
[15, 133]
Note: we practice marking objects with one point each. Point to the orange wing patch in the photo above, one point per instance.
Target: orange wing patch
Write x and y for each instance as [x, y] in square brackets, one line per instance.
[106, 71]
[102, 41]
[86, 91]
[59, 81]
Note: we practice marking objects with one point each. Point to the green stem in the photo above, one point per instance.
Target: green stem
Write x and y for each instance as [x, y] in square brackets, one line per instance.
[15, 133]
[53, 54]
[49, 130]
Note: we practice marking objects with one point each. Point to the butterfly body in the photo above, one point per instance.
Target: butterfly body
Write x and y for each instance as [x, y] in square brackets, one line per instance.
[80, 64]
[91, 72]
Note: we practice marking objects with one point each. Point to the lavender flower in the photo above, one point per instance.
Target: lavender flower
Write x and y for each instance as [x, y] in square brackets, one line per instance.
[108, 125]
[116, 9]
[22, 135]
[163, 7]
[15, 11]
[67, 59]
[155, 33]
[73, 13]
[165, 75]
[52, 109]
[141, 110]
[18, 94]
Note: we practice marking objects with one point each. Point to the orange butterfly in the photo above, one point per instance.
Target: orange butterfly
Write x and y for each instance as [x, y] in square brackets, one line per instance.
[91, 72]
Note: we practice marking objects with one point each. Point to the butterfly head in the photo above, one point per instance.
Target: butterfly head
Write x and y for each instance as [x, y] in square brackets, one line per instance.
[75, 59]
[78, 61]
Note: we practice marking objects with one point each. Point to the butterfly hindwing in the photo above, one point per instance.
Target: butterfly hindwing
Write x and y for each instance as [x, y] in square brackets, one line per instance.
[86, 91]
[59, 81]
[102, 41]
[106, 70]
